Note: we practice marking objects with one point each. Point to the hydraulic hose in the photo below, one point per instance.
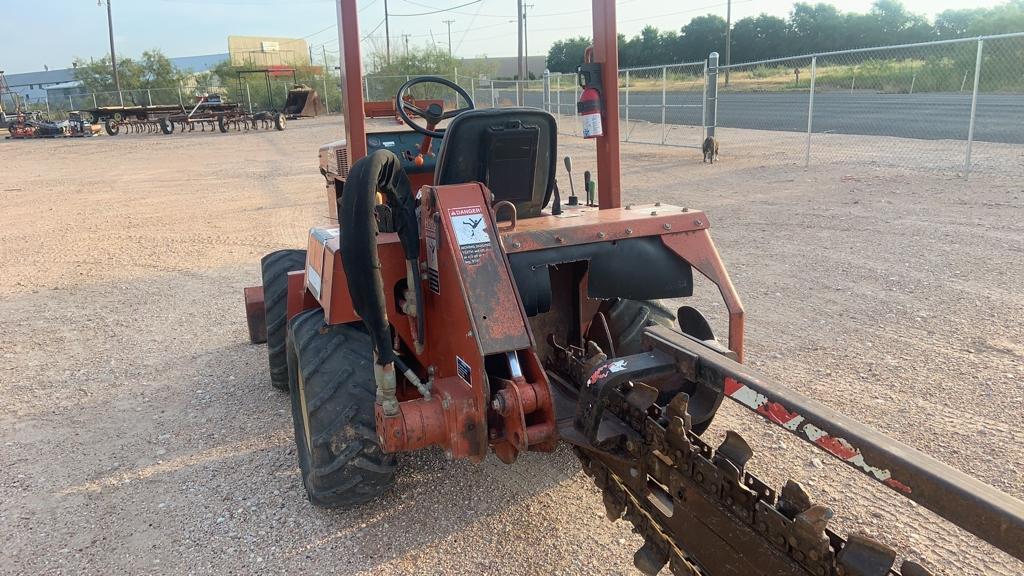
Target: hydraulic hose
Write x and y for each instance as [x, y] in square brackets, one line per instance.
[379, 172]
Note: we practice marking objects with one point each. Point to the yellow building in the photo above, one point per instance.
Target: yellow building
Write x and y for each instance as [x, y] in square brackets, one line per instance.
[260, 51]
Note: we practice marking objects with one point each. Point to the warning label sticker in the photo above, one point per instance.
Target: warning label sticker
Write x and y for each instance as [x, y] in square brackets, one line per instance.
[470, 226]
[465, 372]
[433, 276]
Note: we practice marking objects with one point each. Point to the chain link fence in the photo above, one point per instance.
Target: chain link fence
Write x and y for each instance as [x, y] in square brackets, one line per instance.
[954, 105]
[950, 106]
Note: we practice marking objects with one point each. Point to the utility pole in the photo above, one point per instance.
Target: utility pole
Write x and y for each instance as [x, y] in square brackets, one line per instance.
[728, 37]
[519, 85]
[387, 33]
[110, 30]
[449, 23]
[526, 42]
[405, 38]
[327, 106]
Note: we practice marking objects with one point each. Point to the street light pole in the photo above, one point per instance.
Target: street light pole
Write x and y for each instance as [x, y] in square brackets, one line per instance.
[110, 30]
[387, 34]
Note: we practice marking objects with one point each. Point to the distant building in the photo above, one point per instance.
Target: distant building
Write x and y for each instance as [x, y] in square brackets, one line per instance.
[261, 51]
[505, 66]
[34, 85]
[64, 91]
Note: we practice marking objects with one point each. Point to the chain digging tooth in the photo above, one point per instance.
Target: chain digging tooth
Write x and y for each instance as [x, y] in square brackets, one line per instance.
[735, 449]
[815, 519]
[865, 556]
[911, 568]
[613, 506]
[678, 415]
[793, 500]
[650, 558]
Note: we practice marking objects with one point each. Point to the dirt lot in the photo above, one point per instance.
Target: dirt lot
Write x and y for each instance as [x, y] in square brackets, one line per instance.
[140, 433]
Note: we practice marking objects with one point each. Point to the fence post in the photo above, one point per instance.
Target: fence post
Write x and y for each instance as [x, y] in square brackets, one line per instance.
[94, 99]
[248, 96]
[472, 88]
[810, 111]
[48, 106]
[974, 109]
[71, 103]
[711, 96]
[627, 105]
[664, 88]
[547, 90]
[704, 104]
[576, 115]
[120, 97]
[327, 106]
[558, 95]
[149, 96]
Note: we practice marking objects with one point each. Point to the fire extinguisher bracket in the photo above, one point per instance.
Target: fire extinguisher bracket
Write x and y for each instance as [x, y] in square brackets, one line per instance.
[589, 105]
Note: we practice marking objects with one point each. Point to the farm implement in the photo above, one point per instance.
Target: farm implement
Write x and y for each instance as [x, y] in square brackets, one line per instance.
[458, 304]
[209, 113]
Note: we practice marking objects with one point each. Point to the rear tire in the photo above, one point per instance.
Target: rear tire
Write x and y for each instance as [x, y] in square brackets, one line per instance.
[279, 121]
[333, 393]
[112, 127]
[276, 267]
[166, 126]
[626, 322]
[222, 123]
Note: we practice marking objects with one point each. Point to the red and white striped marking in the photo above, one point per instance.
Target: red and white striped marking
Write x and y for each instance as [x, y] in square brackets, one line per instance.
[779, 414]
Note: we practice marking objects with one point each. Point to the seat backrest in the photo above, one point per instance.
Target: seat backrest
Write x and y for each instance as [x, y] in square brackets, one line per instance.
[513, 151]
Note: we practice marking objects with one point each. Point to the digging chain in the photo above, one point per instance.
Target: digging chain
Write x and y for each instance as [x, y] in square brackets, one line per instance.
[674, 486]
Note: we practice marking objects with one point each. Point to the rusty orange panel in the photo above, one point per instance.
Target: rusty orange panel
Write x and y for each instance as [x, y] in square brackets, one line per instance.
[588, 225]
[697, 248]
[483, 271]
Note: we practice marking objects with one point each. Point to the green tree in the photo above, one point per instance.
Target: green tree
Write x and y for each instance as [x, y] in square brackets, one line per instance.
[955, 23]
[760, 38]
[702, 36]
[566, 55]
[153, 70]
[817, 28]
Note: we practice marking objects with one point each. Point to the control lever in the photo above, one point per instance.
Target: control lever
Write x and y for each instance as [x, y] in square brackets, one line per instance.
[573, 200]
[590, 187]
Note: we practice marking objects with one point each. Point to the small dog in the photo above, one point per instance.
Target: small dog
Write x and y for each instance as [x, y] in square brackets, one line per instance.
[710, 149]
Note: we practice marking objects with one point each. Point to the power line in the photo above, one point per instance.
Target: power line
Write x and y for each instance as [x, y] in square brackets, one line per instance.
[441, 10]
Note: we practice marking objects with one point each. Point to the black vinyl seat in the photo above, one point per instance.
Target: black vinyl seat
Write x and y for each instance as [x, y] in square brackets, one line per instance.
[513, 151]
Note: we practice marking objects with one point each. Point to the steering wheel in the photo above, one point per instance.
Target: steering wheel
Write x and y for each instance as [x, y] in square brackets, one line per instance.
[434, 113]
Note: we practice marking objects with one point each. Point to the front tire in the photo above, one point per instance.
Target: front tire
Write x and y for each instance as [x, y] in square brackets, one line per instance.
[276, 267]
[332, 395]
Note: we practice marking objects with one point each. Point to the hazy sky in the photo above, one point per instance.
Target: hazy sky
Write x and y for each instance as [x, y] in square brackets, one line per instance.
[53, 32]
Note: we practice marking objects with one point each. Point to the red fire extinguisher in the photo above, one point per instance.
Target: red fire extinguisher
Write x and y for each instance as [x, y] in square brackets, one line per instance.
[589, 108]
[589, 105]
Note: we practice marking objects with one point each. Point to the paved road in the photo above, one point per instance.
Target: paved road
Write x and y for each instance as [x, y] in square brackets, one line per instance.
[1000, 117]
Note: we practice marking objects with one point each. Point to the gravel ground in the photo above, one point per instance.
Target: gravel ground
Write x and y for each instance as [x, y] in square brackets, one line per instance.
[140, 433]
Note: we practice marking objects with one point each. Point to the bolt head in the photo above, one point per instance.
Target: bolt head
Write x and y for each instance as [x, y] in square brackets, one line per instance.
[666, 226]
[629, 231]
